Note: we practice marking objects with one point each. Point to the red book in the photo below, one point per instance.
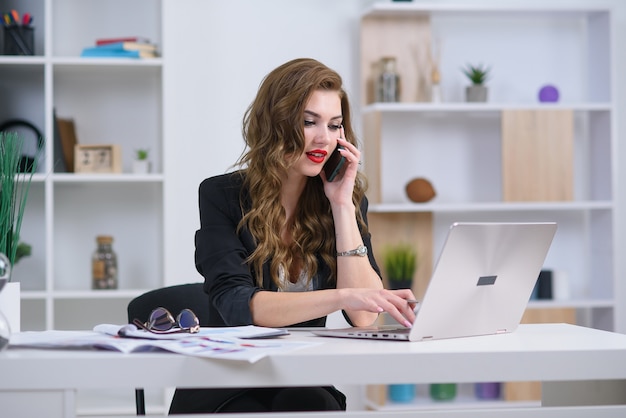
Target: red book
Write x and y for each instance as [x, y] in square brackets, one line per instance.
[105, 41]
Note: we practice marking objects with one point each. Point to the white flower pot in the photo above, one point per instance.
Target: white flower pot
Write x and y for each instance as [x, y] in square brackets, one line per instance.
[10, 304]
[141, 166]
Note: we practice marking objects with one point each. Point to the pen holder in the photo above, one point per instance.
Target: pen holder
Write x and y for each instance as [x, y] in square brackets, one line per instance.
[19, 40]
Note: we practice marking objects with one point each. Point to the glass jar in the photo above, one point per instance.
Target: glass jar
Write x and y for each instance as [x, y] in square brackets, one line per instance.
[388, 84]
[104, 264]
[443, 391]
[401, 393]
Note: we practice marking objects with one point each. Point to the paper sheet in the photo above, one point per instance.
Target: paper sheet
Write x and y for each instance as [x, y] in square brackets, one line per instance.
[204, 344]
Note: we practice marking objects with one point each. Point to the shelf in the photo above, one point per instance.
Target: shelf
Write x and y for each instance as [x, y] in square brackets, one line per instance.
[481, 108]
[107, 178]
[490, 207]
[79, 61]
[106, 62]
[461, 402]
[98, 294]
[83, 294]
[576, 304]
[465, 11]
[21, 60]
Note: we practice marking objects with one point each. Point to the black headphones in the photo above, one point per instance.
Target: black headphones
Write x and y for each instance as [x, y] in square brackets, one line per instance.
[27, 159]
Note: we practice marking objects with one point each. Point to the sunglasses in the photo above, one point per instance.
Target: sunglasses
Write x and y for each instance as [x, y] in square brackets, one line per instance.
[161, 321]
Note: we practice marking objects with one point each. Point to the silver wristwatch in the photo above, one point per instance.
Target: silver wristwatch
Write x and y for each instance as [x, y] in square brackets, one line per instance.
[361, 251]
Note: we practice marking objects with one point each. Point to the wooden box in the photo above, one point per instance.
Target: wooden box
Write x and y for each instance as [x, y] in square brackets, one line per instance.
[97, 159]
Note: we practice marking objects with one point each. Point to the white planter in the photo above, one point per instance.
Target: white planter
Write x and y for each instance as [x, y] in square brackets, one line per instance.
[10, 304]
[141, 166]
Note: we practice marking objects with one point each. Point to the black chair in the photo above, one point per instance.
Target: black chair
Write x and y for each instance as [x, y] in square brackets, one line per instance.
[174, 299]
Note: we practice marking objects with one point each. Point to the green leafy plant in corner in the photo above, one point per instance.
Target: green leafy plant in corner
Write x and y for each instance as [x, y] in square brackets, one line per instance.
[142, 154]
[14, 188]
[400, 262]
[478, 74]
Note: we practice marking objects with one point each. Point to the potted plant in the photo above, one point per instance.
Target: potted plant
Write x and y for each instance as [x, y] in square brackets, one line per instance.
[400, 262]
[15, 183]
[141, 164]
[478, 75]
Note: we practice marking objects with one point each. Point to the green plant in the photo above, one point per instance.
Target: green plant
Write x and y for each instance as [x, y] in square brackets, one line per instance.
[141, 154]
[14, 188]
[478, 74]
[23, 250]
[400, 262]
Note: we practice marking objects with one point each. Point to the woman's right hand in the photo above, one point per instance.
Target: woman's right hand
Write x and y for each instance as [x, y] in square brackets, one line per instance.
[394, 302]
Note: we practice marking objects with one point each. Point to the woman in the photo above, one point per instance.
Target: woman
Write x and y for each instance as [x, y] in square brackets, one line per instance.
[280, 245]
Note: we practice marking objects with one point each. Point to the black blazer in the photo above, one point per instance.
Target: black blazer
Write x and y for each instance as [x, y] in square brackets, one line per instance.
[230, 282]
[221, 252]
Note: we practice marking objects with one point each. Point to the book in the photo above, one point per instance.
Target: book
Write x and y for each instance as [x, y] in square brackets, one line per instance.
[97, 52]
[128, 46]
[65, 139]
[139, 39]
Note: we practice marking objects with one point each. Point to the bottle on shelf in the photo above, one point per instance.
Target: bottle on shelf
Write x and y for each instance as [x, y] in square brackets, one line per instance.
[104, 264]
[435, 92]
[388, 85]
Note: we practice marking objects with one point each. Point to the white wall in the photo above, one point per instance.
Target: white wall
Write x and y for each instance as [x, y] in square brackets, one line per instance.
[216, 55]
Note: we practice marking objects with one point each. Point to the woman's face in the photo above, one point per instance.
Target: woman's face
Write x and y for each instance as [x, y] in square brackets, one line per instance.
[322, 123]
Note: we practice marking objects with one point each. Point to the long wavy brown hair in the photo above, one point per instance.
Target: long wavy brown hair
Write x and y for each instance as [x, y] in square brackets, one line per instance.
[273, 129]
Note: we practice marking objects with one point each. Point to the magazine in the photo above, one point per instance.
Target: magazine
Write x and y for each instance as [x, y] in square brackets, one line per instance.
[230, 343]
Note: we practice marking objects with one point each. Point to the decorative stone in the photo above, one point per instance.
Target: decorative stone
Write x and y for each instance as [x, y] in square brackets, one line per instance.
[420, 190]
[548, 93]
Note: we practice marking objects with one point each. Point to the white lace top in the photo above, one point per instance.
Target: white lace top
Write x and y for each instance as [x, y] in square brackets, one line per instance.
[299, 286]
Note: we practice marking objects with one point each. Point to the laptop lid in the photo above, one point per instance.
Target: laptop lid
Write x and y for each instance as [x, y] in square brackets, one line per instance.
[481, 282]
[483, 279]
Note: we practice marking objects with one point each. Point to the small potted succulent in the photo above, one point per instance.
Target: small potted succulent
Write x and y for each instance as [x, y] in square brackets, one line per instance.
[478, 76]
[141, 164]
[400, 262]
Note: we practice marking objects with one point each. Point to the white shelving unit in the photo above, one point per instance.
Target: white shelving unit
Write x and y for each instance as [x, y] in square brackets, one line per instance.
[112, 101]
[457, 145]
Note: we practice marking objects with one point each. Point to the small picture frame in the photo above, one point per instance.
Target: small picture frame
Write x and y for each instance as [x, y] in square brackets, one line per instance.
[97, 159]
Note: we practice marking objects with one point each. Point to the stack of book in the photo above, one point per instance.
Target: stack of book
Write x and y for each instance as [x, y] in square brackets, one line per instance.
[129, 47]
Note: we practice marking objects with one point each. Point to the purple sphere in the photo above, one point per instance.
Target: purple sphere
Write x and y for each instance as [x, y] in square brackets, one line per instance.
[548, 93]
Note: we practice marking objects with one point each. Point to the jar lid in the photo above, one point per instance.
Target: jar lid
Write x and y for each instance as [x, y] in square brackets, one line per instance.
[104, 239]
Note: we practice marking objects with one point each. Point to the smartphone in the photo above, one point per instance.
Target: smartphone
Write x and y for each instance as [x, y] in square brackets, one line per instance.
[334, 164]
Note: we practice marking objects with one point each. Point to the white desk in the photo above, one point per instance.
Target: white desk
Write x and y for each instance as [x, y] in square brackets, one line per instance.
[579, 366]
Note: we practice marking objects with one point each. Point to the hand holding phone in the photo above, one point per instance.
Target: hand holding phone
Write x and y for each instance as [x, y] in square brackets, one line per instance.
[334, 164]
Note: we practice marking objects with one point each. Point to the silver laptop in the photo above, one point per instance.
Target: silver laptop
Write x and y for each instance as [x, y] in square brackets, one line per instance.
[481, 284]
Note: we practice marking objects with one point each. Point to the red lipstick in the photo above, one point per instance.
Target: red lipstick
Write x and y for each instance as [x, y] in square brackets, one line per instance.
[317, 155]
